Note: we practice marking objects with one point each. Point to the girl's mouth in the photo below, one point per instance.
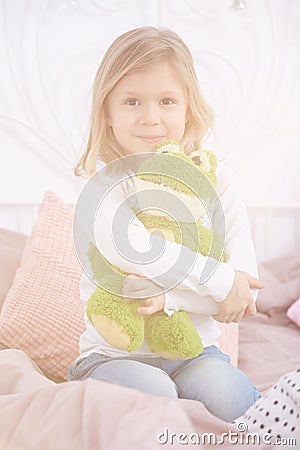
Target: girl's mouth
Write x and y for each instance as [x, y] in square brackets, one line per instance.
[151, 139]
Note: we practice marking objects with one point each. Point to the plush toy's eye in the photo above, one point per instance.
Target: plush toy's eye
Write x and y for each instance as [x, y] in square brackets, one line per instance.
[197, 160]
[201, 158]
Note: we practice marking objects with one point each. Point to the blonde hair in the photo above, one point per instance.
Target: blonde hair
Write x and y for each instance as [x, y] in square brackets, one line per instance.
[134, 50]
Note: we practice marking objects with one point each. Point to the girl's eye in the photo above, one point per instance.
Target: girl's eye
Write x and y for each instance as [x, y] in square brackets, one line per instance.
[132, 102]
[167, 101]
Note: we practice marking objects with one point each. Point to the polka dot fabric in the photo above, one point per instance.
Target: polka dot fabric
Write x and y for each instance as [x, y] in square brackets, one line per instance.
[278, 411]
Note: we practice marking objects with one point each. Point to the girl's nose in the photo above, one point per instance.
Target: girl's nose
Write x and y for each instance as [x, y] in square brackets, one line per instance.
[149, 115]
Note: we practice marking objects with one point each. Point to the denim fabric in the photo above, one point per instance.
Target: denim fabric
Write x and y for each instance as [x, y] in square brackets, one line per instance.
[210, 378]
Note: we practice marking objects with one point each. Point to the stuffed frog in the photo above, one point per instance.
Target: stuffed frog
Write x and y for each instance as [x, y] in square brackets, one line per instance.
[192, 180]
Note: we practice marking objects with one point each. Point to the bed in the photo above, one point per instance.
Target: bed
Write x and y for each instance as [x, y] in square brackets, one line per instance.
[41, 321]
[246, 57]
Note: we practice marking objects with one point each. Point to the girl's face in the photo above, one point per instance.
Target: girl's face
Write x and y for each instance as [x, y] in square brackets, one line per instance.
[146, 107]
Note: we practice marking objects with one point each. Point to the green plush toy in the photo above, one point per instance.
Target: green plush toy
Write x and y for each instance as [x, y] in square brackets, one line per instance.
[192, 179]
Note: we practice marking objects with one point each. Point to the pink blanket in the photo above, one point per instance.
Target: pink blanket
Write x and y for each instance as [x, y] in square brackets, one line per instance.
[37, 414]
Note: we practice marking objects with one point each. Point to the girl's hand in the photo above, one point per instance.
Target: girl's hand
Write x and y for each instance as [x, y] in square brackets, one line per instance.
[239, 302]
[148, 305]
[152, 305]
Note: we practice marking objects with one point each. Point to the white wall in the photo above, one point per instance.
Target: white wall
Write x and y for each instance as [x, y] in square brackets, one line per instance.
[247, 58]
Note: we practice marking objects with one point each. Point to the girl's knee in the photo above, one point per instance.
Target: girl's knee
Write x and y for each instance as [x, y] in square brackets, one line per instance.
[223, 389]
[229, 399]
[136, 375]
[229, 393]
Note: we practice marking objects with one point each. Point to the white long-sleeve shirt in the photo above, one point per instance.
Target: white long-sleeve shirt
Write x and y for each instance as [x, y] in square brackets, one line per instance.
[193, 293]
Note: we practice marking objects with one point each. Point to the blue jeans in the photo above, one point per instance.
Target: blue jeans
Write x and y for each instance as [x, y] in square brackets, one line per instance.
[223, 389]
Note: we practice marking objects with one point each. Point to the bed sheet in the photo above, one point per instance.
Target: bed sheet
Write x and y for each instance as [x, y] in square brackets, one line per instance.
[36, 413]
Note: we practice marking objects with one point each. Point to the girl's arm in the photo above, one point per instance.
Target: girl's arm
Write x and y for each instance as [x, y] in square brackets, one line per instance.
[126, 243]
[239, 254]
[114, 226]
[239, 248]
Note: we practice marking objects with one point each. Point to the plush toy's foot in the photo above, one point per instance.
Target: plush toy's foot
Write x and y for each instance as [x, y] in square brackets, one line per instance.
[115, 319]
[172, 337]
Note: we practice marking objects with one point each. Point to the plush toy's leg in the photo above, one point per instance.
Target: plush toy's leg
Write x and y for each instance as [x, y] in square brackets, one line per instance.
[173, 337]
[115, 319]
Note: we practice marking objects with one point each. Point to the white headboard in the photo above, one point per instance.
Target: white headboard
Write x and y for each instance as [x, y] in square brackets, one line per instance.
[275, 230]
[246, 54]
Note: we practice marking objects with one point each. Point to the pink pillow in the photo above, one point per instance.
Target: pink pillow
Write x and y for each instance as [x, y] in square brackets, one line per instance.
[229, 340]
[42, 313]
[275, 298]
[287, 270]
[286, 267]
[11, 249]
[293, 312]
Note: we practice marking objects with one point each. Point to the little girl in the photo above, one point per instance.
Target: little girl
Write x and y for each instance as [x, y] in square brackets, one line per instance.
[145, 92]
